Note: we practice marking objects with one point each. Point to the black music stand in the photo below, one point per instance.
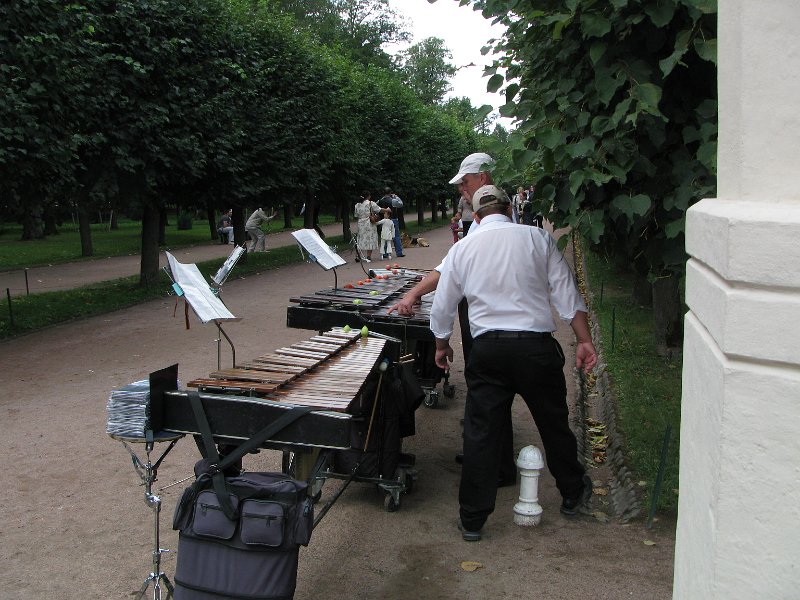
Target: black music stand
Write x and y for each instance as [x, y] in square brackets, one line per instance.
[148, 472]
[319, 252]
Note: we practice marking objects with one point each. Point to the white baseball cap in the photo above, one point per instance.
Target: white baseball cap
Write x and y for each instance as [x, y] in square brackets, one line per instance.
[474, 163]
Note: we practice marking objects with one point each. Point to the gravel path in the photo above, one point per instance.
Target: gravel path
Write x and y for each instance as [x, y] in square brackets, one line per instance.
[75, 524]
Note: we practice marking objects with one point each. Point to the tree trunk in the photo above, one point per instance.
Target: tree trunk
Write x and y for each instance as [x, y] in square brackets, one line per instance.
[85, 230]
[162, 226]
[344, 208]
[238, 220]
[288, 212]
[420, 213]
[212, 221]
[32, 222]
[50, 227]
[151, 219]
[114, 226]
[308, 214]
[642, 294]
[667, 313]
[434, 216]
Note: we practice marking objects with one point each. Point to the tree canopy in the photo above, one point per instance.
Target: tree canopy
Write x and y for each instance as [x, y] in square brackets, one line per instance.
[617, 118]
[211, 103]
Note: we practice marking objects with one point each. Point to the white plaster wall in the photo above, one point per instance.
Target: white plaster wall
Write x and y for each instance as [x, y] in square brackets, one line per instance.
[738, 521]
[738, 533]
[758, 95]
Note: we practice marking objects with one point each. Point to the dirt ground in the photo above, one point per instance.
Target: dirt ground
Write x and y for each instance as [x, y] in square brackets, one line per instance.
[75, 524]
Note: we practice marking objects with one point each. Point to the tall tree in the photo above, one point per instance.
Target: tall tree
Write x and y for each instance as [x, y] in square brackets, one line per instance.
[357, 28]
[618, 101]
[427, 70]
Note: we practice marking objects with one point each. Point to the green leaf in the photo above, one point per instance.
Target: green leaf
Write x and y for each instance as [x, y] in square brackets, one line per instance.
[584, 147]
[596, 52]
[661, 12]
[707, 109]
[706, 49]
[704, 6]
[707, 155]
[549, 138]
[606, 82]
[594, 25]
[690, 134]
[495, 83]
[600, 125]
[668, 64]
[576, 179]
[675, 228]
[596, 226]
[620, 111]
[511, 91]
[648, 94]
[631, 206]
[523, 159]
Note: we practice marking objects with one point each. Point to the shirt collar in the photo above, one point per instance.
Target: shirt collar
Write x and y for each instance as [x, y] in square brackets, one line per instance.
[495, 218]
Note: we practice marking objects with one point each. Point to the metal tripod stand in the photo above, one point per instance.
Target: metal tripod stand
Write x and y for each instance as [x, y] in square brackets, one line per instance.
[148, 472]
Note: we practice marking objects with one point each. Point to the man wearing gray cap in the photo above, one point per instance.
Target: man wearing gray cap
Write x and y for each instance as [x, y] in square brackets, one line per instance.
[513, 350]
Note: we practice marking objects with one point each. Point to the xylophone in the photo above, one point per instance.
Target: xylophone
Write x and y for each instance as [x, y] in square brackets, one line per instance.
[327, 372]
[366, 302]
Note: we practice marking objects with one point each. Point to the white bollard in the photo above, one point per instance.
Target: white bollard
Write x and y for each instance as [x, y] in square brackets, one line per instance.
[527, 511]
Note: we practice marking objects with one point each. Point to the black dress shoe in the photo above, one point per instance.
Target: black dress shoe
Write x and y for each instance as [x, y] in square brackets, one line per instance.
[467, 535]
[460, 458]
[506, 481]
[571, 506]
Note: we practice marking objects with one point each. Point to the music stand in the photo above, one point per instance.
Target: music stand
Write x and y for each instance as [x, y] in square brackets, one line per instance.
[319, 252]
[202, 298]
[148, 472]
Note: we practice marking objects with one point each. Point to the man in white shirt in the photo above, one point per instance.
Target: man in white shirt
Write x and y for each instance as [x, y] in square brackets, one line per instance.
[475, 171]
[513, 350]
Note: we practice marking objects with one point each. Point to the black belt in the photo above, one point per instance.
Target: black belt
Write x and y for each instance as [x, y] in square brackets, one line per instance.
[514, 335]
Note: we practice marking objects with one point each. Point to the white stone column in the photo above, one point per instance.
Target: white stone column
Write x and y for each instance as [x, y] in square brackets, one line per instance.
[739, 512]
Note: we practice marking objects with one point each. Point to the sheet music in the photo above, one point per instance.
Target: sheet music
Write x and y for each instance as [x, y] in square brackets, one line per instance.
[313, 244]
[197, 292]
[226, 267]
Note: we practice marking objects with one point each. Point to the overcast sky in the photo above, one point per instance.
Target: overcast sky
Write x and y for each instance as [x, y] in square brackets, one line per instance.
[464, 32]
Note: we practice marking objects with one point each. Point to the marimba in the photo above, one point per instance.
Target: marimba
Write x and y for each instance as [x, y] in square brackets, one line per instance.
[365, 302]
[327, 373]
[335, 373]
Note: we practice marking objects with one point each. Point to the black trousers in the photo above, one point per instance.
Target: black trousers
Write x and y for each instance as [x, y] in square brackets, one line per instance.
[507, 470]
[496, 371]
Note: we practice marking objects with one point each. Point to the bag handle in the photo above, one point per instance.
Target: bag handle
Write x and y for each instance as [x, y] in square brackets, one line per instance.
[218, 466]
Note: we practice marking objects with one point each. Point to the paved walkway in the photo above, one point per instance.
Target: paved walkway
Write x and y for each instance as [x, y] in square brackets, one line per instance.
[67, 276]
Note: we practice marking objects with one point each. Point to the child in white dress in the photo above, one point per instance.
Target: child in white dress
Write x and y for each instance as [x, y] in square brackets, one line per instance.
[387, 233]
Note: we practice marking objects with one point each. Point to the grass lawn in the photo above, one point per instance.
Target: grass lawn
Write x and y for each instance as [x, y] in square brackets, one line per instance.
[66, 246]
[647, 386]
[38, 311]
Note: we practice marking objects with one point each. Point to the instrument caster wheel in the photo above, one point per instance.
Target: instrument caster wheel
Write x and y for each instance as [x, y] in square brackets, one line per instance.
[390, 503]
[431, 399]
[449, 390]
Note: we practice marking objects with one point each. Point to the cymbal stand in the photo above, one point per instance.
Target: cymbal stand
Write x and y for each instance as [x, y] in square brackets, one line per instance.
[148, 472]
